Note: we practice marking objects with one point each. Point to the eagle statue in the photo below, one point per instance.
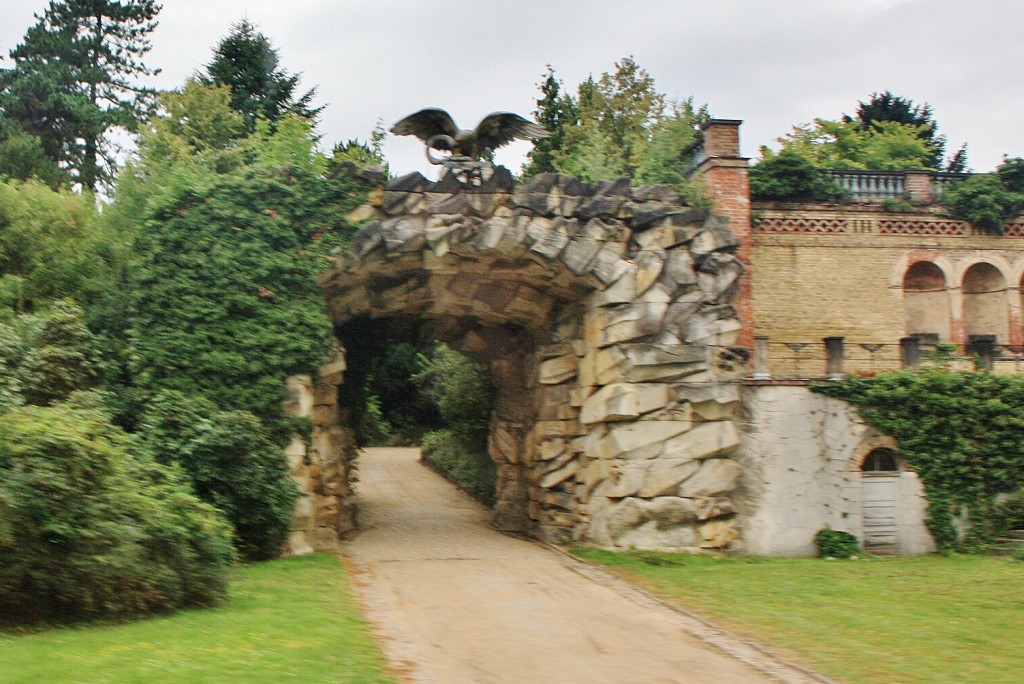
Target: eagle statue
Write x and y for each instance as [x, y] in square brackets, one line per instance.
[436, 128]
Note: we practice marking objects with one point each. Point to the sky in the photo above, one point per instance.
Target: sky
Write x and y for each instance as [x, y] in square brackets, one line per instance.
[771, 63]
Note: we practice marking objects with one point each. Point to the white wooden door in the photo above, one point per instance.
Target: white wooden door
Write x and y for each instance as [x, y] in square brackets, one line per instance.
[881, 494]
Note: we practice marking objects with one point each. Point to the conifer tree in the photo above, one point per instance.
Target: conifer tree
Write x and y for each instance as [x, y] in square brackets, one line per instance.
[246, 61]
[74, 78]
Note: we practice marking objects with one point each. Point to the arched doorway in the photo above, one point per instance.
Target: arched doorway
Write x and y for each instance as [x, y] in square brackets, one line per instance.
[926, 300]
[880, 493]
[985, 305]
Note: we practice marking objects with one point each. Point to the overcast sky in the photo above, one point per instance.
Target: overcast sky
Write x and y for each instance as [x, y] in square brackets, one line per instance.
[772, 63]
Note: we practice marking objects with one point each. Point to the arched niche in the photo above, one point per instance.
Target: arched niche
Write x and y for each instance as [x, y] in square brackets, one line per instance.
[984, 303]
[926, 300]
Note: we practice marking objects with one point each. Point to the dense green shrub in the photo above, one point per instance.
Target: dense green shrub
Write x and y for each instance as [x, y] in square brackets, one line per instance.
[464, 460]
[790, 177]
[233, 464]
[984, 201]
[835, 544]
[460, 388]
[92, 527]
[52, 245]
[960, 431]
[407, 410]
[462, 392]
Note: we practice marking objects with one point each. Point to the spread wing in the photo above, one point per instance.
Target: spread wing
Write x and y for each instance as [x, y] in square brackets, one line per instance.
[426, 124]
[501, 128]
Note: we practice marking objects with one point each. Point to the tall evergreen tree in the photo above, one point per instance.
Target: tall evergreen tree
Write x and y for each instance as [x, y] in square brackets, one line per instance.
[887, 106]
[555, 111]
[246, 61]
[74, 78]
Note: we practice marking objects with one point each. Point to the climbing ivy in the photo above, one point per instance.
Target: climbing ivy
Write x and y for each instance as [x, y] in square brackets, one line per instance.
[960, 431]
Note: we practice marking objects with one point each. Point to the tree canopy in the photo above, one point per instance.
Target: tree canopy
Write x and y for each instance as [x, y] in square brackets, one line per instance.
[75, 77]
[616, 125]
[887, 133]
[248, 64]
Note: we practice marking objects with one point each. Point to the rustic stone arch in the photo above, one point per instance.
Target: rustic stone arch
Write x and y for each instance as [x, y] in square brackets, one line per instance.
[604, 313]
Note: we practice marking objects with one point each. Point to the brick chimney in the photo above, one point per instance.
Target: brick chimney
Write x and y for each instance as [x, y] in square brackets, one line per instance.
[727, 178]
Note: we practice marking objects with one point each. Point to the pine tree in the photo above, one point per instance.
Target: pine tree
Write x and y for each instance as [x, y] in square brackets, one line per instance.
[246, 61]
[74, 78]
[555, 111]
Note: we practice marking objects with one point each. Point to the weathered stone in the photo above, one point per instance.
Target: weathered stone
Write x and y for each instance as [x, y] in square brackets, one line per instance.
[607, 266]
[654, 193]
[579, 254]
[490, 234]
[564, 500]
[560, 369]
[714, 507]
[621, 480]
[602, 205]
[649, 264]
[679, 270]
[550, 244]
[410, 182]
[665, 474]
[541, 183]
[366, 239]
[632, 321]
[401, 203]
[559, 476]
[670, 511]
[713, 240]
[717, 476]
[554, 403]
[718, 534]
[551, 449]
[650, 214]
[622, 401]
[718, 277]
[362, 214]
[621, 291]
[613, 521]
[640, 439]
[404, 234]
[332, 372]
[705, 440]
[666, 237]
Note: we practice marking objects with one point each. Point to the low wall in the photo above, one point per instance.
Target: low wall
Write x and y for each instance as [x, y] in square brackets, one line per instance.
[801, 454]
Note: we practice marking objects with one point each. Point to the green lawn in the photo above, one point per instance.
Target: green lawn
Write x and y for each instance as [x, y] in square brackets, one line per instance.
[892, 620]
[287, 620]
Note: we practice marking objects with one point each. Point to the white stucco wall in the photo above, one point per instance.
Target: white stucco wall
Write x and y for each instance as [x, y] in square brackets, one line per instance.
[801, 455]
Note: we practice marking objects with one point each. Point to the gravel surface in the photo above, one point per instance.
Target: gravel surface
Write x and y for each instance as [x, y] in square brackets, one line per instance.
[455, 601]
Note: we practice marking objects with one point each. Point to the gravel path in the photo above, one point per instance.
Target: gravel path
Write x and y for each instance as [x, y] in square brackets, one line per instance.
[455, 602]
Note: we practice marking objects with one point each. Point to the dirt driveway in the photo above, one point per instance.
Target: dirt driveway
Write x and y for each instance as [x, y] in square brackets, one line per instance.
[456, 602]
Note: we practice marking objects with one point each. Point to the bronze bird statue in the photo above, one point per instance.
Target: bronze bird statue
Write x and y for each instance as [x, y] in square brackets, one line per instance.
[436, 128]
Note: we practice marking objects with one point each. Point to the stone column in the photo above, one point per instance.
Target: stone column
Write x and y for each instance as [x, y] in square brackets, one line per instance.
[727, 177]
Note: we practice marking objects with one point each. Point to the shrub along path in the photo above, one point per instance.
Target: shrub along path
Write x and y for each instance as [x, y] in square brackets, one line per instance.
[455, 601]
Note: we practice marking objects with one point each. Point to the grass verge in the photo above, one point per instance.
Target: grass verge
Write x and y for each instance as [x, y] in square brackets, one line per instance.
[894, 620]
[293, 619]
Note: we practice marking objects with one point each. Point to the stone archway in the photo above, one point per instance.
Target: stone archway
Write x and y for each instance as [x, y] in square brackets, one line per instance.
[604, 314]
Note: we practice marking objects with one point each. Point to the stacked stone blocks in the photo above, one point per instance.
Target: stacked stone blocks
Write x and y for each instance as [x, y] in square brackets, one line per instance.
[614, 421]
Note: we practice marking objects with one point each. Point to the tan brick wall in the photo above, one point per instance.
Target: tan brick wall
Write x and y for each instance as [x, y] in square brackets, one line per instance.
[836, 275]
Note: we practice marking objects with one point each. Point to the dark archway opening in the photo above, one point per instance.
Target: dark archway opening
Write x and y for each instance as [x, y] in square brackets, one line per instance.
[472, 458]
